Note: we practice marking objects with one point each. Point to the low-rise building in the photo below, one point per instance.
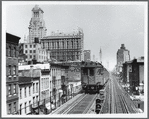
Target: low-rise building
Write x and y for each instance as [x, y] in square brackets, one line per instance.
[40, 75]
[34, 51]
[25, 95]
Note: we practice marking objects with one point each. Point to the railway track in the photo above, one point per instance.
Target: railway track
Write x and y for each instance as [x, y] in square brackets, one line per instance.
[106, 104]
[82, 106]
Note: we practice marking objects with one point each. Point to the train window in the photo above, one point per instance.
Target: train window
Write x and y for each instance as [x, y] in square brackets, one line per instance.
[91, 72]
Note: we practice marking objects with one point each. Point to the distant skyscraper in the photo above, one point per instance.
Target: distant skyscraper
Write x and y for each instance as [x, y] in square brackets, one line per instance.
[123, 55]
[37, 29]
[100, 56]
[87, 55]
[93, 57]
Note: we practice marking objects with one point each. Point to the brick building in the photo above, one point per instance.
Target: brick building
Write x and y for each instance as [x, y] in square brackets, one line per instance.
[34, 51]
[12, 73]
[133, 74]
[65, 47]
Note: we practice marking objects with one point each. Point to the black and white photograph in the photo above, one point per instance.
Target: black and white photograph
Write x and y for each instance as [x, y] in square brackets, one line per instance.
[74, 59]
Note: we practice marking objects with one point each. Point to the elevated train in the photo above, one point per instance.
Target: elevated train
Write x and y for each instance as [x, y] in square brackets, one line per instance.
[93, 77]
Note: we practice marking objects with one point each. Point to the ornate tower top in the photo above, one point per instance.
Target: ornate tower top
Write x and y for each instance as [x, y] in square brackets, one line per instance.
[37, 29]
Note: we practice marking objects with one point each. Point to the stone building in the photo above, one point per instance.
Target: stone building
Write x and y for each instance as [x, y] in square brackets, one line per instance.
[12, 73]
[123, 55]
[65, 47]
[37, 28]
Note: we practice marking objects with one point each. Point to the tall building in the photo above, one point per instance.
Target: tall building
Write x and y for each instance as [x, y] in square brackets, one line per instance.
[12, 73]
[65, 47]
[123, 55]
[37, 29]
[87, 55]
[100, 56]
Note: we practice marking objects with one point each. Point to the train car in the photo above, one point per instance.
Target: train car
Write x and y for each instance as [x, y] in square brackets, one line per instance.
[93, 77]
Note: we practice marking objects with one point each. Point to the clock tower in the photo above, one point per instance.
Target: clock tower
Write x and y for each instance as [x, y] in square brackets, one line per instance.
[37, 29]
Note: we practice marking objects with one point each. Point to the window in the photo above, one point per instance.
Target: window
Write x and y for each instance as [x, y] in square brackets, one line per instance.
[14, 107]
[14, 52]
[25, 46]
[33, 100]
[30, 51]
[36, 87]
[9, 109]
[30, 105]
[9, 70]
[58, 45]
[30, 56]
[30, 46]
[9, 89]
[20, 109]
[14, 70]
[29, 91]
[20, 93]
[34, 46]
[9, 51]
[25, 91]
[63, 43]
[67, 44]
[14, 89]
[25, 51]
[36, 98]
[34, 51]
[25, 107]
[33, 88]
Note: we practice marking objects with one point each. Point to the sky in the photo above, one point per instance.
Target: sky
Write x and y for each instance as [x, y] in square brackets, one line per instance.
[105, 25]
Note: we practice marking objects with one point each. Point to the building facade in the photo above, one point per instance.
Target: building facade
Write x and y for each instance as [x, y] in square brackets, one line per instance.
[37, 29]
[123, 55]
[65, 47]
[133, 75]
[41, 79]
[12, 73]
[34, 51]
[87, 55]
[25, 95]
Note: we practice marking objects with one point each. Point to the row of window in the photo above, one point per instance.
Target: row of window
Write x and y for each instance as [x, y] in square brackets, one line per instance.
[12, 70]
[29, 90]
[26, 108]
[12, 107]
[34, 51]
[12, 89]
[72, 58]
[65, 53]
[11, 52]
[68, 47]
[30, 46]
